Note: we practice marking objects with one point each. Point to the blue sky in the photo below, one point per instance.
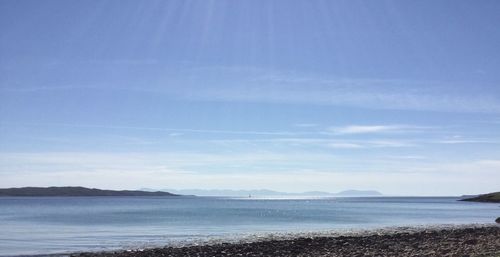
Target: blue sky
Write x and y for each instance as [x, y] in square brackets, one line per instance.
[398, 96]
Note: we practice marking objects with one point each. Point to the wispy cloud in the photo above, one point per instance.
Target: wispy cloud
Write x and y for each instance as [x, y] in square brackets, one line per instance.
[135, 170]
[364, 129]
[324, 142]
[469, 141]
[406, 157]
[345, 145]
[141, 162]
[173, 131]
[368, 129]
[253, 84]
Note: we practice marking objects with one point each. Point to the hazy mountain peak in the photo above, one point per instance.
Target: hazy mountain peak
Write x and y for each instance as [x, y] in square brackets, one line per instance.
[265, 192]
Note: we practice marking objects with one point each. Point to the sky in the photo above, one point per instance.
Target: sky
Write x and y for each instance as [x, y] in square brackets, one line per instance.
[402, 97]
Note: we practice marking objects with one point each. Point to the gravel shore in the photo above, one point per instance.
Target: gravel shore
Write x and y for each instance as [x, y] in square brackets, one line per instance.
[458, 241]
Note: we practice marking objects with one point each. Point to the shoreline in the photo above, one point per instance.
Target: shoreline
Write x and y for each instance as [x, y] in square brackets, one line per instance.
[425, 240]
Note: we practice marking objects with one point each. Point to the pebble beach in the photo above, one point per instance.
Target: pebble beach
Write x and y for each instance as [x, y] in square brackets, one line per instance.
[434, 241]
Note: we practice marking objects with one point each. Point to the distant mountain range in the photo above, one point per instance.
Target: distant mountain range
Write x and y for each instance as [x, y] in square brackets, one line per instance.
[266, 193]
[76, 191]
[83, 191]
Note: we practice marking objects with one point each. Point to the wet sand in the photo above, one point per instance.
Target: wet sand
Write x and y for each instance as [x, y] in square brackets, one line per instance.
[433, 241]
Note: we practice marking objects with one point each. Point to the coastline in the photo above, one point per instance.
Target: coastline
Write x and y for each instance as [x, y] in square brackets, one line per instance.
[484, 198]
[434, 240]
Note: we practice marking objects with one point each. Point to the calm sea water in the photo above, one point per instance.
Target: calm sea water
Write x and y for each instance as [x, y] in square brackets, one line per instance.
[56, 225]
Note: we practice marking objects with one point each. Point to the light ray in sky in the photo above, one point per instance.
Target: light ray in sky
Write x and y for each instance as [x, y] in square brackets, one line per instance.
[290, 91]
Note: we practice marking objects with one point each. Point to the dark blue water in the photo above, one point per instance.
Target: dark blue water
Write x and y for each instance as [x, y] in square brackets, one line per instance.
[68, 224]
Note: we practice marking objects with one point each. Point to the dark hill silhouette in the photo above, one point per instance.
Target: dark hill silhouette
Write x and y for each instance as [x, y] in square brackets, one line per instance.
[76, 191]
[487, 198]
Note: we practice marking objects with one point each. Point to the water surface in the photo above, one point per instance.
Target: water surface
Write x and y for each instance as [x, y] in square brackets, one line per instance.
[42, 225]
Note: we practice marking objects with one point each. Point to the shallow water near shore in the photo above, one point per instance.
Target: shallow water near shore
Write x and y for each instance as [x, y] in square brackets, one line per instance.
[38, 225]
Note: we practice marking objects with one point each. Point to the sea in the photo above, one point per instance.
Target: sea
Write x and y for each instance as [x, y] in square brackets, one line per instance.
[59, 225]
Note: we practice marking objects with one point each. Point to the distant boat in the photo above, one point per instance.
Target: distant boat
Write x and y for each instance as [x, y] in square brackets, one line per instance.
[249, 196]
